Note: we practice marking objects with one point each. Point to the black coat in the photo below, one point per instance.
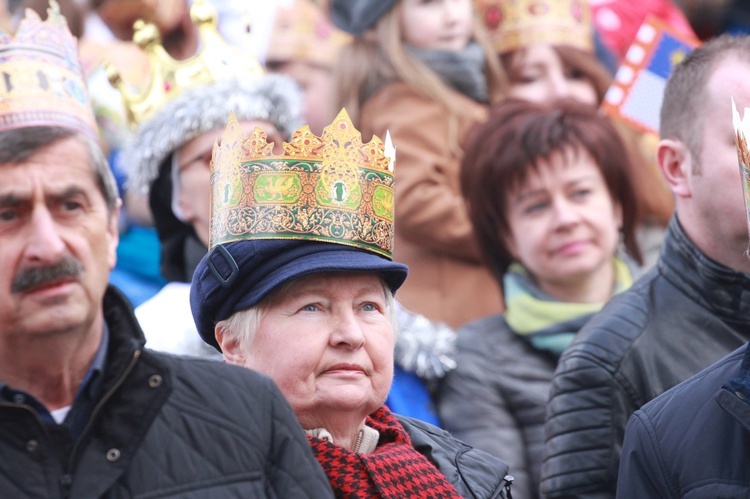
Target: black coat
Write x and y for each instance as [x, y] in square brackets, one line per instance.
[694, 440]
[474, 473]
[682, 316]
[165, 426]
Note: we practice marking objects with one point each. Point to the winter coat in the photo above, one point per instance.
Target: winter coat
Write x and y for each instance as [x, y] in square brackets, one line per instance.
[692, 441]
[683, 315]
[165, 426]
[473, 473]
[434, 236]
[495, 400]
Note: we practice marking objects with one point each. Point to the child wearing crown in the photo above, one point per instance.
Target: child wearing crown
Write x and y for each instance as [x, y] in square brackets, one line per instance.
[420, 71]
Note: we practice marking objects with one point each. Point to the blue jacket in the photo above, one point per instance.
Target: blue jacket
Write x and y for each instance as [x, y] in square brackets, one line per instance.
[693, 441]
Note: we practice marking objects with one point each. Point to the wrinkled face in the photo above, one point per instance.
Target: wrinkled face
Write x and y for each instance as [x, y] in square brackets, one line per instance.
[537, 74]
[328, 345]
[119, 15]
[437, 24]
[57, 242]
[192, 189]
[563, 221]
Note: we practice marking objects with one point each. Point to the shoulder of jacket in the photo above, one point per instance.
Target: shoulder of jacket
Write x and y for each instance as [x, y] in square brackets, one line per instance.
[612, 332]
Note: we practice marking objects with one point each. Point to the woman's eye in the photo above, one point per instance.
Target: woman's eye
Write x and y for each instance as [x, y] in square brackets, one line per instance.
[535, 207]
[581, 193]
[369, 307]
[310, 308]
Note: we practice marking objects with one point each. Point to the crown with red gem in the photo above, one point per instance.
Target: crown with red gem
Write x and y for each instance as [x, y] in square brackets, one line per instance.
[42, 82]
[514, 24]
[331, 188]
[217, 60]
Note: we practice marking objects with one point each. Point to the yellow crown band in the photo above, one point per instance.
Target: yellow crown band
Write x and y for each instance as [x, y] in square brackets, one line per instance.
[331, 188]
[42, 82]
[217, 60]
[515, 24]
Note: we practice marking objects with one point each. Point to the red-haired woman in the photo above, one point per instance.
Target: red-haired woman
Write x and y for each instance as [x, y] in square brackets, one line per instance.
[548, 189]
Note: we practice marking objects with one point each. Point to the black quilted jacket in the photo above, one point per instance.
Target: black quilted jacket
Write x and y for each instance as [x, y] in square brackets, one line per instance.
[166, 427]
[679, 318]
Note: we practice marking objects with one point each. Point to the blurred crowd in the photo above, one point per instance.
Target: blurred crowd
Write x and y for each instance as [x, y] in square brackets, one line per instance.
[566, 266]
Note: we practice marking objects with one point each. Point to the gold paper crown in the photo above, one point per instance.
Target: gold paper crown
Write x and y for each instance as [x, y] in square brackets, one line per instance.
[331, 188]
[742, 134]
[42, 82]
[302, 32]
[514, 24]
[217, 60]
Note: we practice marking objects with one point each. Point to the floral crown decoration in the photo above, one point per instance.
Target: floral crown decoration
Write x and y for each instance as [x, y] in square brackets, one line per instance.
[333, 188]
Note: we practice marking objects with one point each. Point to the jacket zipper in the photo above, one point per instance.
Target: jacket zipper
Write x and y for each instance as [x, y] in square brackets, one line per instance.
[66, 481]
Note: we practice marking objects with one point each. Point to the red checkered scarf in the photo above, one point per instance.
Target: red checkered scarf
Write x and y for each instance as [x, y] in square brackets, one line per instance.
[394, 470]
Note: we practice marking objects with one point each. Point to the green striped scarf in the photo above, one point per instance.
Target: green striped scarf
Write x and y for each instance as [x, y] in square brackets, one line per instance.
[548, 324]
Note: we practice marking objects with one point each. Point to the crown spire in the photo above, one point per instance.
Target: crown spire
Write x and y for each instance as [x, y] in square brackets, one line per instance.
[43, 82]
[332, 188]
[217, 60]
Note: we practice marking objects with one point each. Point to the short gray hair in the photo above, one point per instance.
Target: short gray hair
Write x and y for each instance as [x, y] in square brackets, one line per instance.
[19, 144]
[242, 326]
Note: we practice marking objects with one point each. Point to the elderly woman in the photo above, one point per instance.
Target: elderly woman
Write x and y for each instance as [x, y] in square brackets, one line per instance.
[299, 285]
[549, 191]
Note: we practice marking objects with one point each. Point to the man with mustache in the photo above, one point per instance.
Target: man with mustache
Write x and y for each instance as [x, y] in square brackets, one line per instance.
[85, 409]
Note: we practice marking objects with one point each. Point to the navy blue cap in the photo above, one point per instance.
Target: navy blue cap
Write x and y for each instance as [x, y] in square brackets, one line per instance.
[236, 276]
[355, 16]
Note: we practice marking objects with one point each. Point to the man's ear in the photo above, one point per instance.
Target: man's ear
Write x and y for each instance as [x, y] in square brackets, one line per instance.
[676, 165]
[231, 347]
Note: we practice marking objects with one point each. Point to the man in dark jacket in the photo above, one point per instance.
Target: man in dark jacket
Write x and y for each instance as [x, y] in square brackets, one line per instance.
[689, 311]
[692, 440]
[85, 410]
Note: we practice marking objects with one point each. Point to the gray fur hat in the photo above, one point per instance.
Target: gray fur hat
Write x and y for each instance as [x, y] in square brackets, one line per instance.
[273, 98]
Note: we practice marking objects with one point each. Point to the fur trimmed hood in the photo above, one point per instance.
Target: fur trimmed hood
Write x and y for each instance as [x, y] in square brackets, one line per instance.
[273, 98]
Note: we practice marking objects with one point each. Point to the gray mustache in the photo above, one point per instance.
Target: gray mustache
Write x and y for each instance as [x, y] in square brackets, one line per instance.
[30, 277]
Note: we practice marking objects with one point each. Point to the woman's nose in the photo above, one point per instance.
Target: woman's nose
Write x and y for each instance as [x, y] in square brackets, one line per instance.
[347, 330]
[565, 214]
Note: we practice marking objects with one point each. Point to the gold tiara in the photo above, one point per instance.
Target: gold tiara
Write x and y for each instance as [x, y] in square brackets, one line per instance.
[514, 24]
[217, 60]
[331, 188]
[42, 80]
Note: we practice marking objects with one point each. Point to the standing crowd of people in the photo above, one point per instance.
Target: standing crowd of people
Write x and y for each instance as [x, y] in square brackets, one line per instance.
[369, 249]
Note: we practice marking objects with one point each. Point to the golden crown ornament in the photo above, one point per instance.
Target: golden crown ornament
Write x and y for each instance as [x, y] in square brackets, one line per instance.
[331, 188]
[514, 24]
[217, 60]
[742, 136]
[42, 81]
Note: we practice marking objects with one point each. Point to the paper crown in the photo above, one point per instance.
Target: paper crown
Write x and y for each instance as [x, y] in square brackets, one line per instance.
[741, 135]
[514, 24]
[302, 32]
[42, 82]
[217, 60]
[331, 188]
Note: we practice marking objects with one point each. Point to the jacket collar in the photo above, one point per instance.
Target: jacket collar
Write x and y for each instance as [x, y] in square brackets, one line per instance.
[721, 290]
